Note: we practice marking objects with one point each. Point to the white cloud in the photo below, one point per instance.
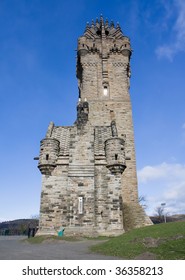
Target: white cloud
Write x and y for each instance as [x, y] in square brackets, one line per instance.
[161, 171]
[164, 183]
[178, 44]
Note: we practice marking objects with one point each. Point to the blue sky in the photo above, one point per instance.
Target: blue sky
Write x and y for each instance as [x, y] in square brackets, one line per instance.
[38, 39]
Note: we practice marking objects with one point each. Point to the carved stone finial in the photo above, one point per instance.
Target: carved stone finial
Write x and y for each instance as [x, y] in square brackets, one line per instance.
[111, 23]
[106, 23]
[102, 27]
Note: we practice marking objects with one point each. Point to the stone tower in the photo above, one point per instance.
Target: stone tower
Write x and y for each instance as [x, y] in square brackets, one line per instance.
[89, 182]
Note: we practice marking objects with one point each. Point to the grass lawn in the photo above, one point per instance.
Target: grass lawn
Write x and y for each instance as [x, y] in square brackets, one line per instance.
[166, 241]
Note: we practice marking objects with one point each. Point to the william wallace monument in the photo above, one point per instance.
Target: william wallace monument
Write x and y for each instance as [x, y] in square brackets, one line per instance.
[89, 181]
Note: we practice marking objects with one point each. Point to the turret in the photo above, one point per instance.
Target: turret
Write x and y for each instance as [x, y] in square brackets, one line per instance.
[49, 150]
[115, 152]
[114, 149]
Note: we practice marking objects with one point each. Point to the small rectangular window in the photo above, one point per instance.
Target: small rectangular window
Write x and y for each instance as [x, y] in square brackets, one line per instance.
[47, 157]
[105, 90]
[80, 205]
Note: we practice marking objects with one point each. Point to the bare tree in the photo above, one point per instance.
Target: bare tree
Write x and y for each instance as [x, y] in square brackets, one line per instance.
[160, 213]
[159, 210]
[142, 201]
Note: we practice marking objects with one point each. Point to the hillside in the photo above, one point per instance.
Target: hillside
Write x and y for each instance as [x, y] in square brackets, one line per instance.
[17, 227]
[164, 241]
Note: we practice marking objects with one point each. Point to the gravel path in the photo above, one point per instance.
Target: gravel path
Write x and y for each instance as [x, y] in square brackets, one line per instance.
[15, 248]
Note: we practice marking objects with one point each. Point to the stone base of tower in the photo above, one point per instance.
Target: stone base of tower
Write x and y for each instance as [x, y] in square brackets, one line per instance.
[81, 231]
[70, 231]
[134, 216]
[91, 232]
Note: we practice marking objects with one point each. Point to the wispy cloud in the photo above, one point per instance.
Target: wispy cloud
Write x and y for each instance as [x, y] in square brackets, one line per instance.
[161, 171]
[168, 181]
[178, 44]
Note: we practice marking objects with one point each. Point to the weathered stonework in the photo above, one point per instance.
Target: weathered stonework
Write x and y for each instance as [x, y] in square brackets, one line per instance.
[89, 182]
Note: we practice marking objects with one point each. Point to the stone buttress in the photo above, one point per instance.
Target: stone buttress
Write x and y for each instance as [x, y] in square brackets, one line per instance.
[89, 182]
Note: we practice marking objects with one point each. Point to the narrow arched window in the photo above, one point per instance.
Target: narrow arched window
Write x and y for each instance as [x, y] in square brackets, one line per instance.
[105, 90]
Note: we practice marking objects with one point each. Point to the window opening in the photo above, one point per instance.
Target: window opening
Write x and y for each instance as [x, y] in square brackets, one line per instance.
[105, 90]
[47, 157]
[116, 156]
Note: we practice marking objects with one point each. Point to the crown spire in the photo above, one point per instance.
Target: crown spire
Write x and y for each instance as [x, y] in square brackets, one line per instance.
[101, 28]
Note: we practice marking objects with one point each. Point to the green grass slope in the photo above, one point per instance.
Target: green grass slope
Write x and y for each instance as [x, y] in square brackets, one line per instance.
[163, 241]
